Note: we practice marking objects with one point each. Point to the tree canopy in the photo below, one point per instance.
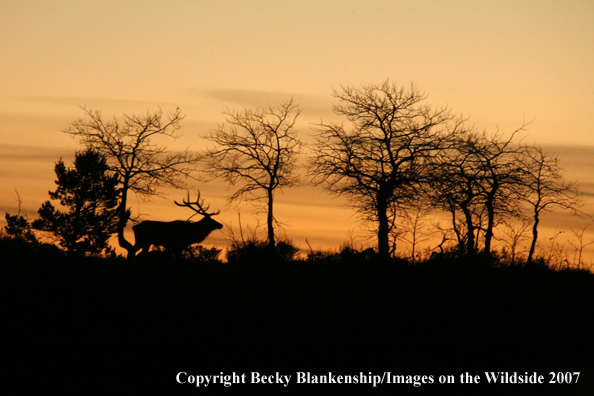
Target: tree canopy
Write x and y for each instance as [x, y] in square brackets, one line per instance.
[257, 150]
[88, 192]
[381, 161]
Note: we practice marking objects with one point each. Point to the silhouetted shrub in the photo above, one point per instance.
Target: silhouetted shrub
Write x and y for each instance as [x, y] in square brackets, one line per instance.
[18, 227]
[200, 254]
[254, 251]
[346, 254]
[322, 256]
[19, 249]
[286, 251]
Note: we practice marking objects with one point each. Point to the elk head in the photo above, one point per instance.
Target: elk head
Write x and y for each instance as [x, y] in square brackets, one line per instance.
[198, 206]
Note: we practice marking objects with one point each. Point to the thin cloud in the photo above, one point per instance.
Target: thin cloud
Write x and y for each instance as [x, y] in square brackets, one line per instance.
[99, 103]
[23, 153]
[245, 97]
[320, 106]
[572, 154]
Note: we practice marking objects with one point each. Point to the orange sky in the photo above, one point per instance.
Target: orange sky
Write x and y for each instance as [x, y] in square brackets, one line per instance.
[499, 62]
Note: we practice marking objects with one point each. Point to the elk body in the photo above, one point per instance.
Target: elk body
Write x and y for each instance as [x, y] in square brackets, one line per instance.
[175, 236]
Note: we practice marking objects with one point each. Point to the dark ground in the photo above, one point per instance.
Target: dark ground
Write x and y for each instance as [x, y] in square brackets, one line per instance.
[111, 327]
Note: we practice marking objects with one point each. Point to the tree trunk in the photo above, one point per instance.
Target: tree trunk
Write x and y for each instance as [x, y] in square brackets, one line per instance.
[459, 237]
[534, 238]
[470, 249]
[270, 220]
[122, 221]
[383, 243]
[489, 230]
[490, 204]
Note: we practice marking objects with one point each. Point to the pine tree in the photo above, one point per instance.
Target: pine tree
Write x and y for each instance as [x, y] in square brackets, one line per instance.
[89, 194]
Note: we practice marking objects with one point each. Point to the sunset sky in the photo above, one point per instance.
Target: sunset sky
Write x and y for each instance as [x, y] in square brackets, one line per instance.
[497, 62]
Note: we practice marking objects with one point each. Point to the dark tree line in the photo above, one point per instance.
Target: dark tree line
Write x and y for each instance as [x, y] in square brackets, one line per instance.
[479, 177]
[382, 162]
[391, 153]
[483, 180]
[399, 153]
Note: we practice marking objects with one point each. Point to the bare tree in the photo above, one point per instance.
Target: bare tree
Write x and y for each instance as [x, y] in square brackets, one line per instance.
[413, 228]
[455, 190]
[500, 184]
[513, 236]
[545, 187]
[380, 162]
[258, 151]
[18, 226]
[480, 175]
[579, 244]
[129, 146]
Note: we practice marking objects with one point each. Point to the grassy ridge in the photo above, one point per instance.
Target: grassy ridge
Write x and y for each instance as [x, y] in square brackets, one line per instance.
[94, 323]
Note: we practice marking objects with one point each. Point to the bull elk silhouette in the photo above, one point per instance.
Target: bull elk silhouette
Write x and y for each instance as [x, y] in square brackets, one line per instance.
[175, 236]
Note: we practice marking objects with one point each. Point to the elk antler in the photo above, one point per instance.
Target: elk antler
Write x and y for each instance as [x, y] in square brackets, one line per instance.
[197, 206]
